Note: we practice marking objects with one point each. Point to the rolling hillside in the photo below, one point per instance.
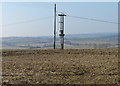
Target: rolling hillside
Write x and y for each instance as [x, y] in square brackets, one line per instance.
[80, 41]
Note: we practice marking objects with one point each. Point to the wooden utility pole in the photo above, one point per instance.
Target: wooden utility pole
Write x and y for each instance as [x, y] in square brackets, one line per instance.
[54, 25]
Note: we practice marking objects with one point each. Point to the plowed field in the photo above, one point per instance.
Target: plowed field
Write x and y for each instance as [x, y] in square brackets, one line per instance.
[84, 66]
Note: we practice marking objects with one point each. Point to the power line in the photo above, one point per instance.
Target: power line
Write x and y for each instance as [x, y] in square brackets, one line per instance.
[93, 19]
[27, 21]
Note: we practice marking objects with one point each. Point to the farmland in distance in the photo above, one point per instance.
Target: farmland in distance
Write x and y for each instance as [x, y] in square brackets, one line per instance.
[72, 41]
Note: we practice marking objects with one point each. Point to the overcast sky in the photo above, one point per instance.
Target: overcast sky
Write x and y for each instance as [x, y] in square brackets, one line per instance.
[15, 13]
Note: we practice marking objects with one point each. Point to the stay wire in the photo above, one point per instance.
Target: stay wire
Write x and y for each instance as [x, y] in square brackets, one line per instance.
[27, 21]
[92, 19]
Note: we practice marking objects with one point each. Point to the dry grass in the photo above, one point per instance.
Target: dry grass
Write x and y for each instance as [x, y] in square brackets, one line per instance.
[85, 66]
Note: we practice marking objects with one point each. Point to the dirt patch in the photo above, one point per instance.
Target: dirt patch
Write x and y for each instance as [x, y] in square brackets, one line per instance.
[85, 66]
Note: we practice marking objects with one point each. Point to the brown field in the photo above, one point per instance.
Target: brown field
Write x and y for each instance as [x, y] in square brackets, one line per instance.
[70, 66]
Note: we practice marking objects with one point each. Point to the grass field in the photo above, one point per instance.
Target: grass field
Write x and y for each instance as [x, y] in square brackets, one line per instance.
[70, 66]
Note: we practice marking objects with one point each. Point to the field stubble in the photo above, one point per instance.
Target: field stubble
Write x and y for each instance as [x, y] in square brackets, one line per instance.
[85, 66]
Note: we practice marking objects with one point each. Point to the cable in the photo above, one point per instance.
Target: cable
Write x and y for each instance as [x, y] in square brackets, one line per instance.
[93, 19]
[27, 21]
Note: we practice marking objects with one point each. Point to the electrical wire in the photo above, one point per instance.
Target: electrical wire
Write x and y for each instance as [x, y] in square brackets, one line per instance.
[38, 19]
[27, 21]
[93, 19]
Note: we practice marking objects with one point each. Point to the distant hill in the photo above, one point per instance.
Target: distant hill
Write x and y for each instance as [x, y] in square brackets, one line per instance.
[95, 40]
[93, 35]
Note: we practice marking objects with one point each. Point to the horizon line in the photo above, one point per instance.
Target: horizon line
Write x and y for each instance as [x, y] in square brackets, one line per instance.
[66, 34]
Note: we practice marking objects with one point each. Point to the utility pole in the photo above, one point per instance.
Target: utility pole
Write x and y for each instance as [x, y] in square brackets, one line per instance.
[54, 25]
[62, 30]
